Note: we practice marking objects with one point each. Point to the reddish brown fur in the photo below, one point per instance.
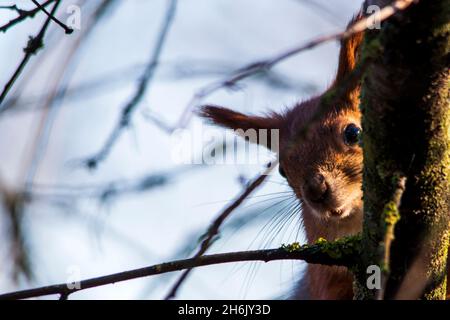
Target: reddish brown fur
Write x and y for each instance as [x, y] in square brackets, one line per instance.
[326, 153]
[323, 152]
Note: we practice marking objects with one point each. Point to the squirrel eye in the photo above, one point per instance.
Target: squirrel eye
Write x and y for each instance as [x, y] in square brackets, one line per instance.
[352, 134]
[281, 171]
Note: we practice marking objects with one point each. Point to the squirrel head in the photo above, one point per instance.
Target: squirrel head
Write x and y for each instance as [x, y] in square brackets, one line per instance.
[325, 168]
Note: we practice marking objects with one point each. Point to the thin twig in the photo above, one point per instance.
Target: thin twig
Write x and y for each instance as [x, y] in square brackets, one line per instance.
[390, 216]
[50, 110]
[33, 46]
[213, 229]
[257, 67]
[15, 8]
[23, 15]
[317, 253]
[144, 82]
[173, 71]
[26, 195]
[67, 30]
[237, 76]
[325, 103]
[64, 296]
[108, 190]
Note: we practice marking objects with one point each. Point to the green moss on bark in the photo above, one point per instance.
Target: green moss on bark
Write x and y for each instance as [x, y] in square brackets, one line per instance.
[345, 249]
[405, 106]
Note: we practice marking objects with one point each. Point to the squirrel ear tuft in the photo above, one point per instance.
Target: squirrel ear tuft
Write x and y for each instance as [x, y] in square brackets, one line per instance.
[349, 52]
[349, 55]
[238, 121]
[235, 120]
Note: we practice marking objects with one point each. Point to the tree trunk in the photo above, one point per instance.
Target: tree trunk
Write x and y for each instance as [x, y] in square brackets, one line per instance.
[406, 125]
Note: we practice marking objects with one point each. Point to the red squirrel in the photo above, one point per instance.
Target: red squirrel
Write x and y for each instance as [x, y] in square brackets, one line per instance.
[324, 170]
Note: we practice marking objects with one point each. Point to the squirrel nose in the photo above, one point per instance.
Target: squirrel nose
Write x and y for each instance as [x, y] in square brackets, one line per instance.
[316, 188]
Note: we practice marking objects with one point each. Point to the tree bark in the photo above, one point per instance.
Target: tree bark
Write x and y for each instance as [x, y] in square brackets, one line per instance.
[406, 125]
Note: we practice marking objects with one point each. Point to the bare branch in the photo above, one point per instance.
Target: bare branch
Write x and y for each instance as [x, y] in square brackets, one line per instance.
[106, 191]
[13, 7]
[67, 30]
[183, 69]
[49, 115]
[240, 74]
[261, 66]
[390, 216]
[33, 46]
[142, 88]
[320, 253]
[326, 102]
[13, 204]
[213, 230]
[23, 14]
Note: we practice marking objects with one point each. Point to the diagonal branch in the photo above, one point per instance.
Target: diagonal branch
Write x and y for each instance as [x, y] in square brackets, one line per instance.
[23, 15]
[390, 217]
[58, 22]
[138, 95]
[326, 102]
[323, 252]
[264, 65]
[237, 76]
[213, 229]
[33, 46]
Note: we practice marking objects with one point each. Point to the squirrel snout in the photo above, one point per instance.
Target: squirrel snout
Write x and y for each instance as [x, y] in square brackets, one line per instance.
[316, 188]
